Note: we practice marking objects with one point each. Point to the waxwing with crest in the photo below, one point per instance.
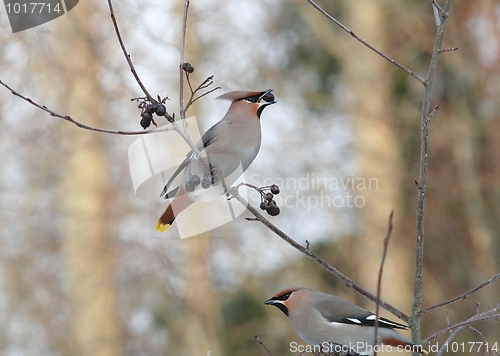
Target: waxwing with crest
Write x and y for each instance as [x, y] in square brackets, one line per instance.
[227, 150]
[324, 319]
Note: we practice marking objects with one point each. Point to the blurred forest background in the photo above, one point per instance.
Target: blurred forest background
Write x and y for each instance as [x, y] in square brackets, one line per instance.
[82, 271]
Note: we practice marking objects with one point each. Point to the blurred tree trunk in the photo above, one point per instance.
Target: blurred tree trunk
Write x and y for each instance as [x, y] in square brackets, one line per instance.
[202, 324]
[377, 154]
[85, 199]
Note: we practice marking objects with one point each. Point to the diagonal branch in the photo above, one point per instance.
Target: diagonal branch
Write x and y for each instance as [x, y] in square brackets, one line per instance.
[306, 251]
[380, 53]
[460, 297]
[184, 134]
[79, 124]
[493, 313]
[126, 54]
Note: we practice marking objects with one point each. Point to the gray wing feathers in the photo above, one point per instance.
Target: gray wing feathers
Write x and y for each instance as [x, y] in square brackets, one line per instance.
[207, 139]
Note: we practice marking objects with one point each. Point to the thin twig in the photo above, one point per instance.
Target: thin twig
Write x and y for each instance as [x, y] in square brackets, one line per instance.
[182, 112]
[79, 124]
[126, 54]
[460, 297]
[452, 49]
[422, 179]
[484, 344]
[334, 271]
[379, 281]
[209, 81]
[431, 114]
[380, 53]
[439, 8]
[263, 346]
[493, 313]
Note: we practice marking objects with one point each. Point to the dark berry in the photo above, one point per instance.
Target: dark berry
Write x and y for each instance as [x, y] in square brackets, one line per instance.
[273, 211]
[272, 208]
[150, 108]
[274, 189]
[205, 183]
[195, 180]
[269, 97]
[263, 205]
[189, 186]
[187, 67]
[161, 110]
[269, 196]
[145, 123]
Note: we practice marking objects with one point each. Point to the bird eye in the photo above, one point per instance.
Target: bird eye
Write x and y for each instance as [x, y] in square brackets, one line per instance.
[268, 97]
[285, 296]
[252, 99]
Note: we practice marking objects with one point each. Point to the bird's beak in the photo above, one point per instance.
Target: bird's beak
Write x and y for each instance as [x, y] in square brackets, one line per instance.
[278, 304]
[267, 97]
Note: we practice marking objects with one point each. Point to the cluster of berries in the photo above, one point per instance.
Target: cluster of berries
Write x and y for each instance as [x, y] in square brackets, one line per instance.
[206, 182]
[147, 114]
[268, 203]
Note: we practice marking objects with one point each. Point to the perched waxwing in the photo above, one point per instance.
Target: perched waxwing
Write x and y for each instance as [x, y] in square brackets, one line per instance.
[333, 322]
[227, 149]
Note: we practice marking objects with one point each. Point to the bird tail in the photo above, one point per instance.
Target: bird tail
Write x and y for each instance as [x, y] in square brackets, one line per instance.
[166, 220]
[180, 202]
[407, 345]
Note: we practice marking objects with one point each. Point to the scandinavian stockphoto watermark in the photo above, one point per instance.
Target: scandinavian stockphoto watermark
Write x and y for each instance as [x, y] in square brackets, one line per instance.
[26, 14]
[311, 191]
[154, 158]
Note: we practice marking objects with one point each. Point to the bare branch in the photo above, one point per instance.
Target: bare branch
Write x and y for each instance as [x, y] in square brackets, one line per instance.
[380, 53]
[263, 346]
[182, 112]
[431, 114]
[452, 49]
[485, 342]
[379, 281]
[438, 8]
[79, 124]
[460, 297]
[334, 271]
[493, 313]
[422, 179]
[126, 54]
[208, 82]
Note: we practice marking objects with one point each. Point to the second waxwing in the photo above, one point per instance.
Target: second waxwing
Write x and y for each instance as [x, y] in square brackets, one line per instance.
[337, 324]
[227, 148]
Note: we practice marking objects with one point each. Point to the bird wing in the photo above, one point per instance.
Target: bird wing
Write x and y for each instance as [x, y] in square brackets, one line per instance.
[352, 314]
[369, 320]
[207, 139]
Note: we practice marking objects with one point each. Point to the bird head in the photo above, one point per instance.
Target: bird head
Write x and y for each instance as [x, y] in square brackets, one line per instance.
[249, 102]
[284, 300]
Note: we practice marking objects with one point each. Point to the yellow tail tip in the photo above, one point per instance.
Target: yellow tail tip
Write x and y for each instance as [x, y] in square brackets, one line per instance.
[161, 227]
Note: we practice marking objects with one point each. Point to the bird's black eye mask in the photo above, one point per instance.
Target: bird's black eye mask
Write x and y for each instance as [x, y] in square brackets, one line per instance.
[283, 297]
[267, 96]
